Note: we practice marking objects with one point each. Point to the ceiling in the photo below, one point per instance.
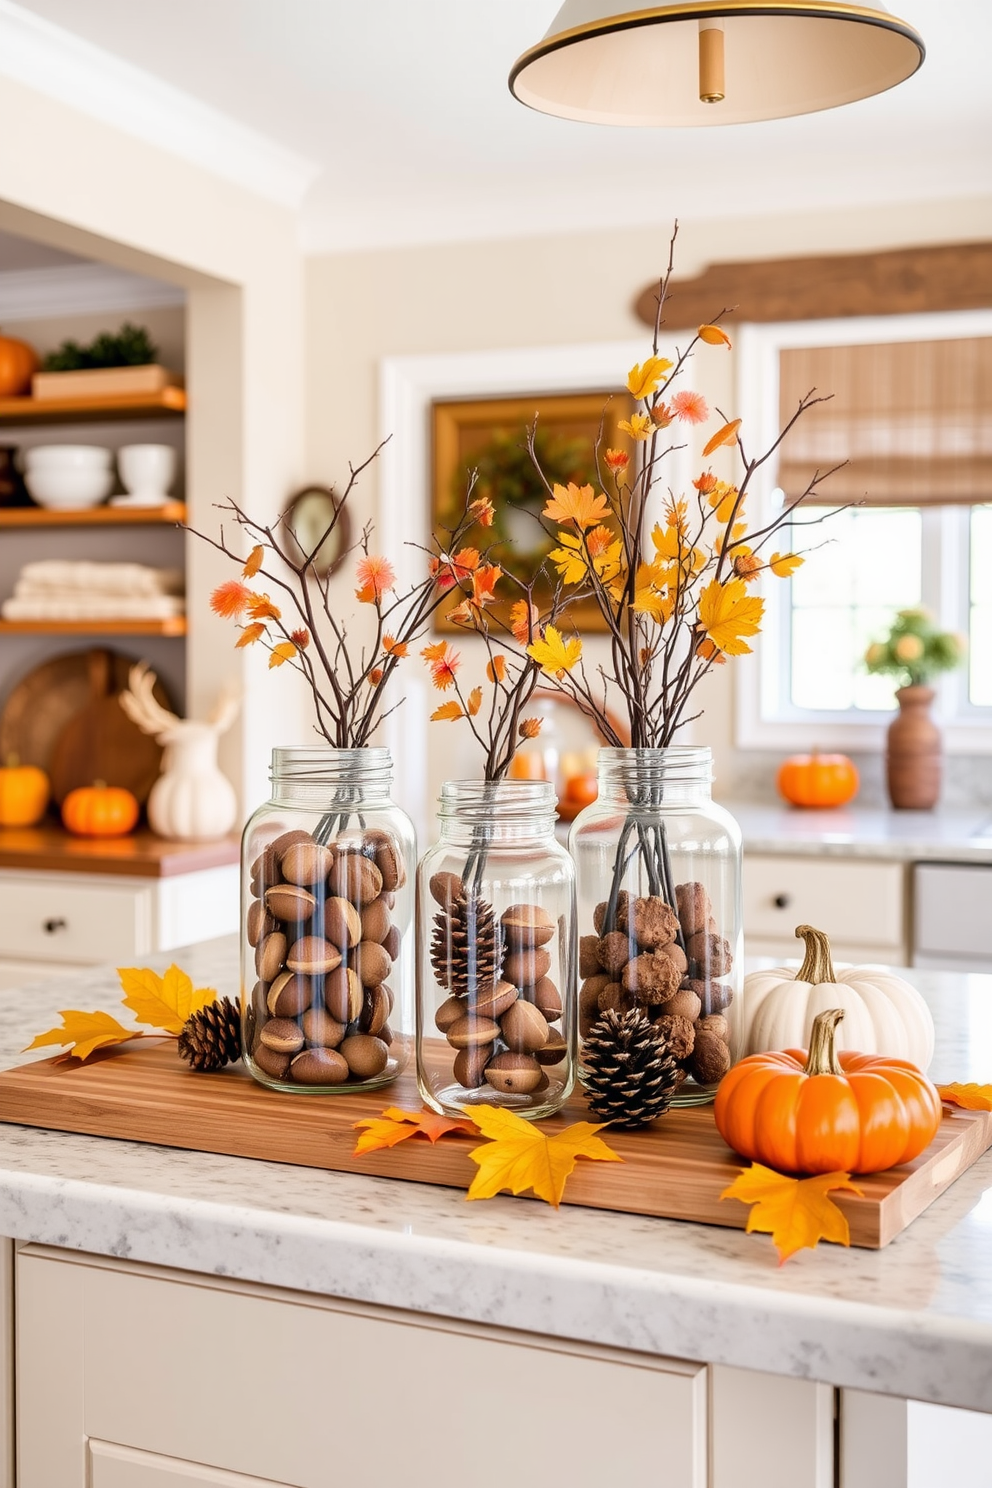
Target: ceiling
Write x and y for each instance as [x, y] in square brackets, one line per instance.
[398, 116]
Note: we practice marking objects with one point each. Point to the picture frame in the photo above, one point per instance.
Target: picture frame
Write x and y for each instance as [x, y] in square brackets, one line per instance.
[490, 436]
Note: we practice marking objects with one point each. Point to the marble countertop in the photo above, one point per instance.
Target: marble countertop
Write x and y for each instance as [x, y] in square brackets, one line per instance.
[849, 831]
[914, 1319]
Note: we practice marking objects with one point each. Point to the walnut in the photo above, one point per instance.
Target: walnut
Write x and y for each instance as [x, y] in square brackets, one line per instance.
[677, 956]
[653, 922]
[599, 913]
[714, 1023]
[693, 905]
[615, 950]
[613, 997]
[679, 1035]
[589, 955]
[715, 996]
[652, 977]
[685, 1004]
[711, 953]
[710, 1058]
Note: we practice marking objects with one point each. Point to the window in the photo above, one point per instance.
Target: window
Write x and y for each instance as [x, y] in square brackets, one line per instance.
[808, 683]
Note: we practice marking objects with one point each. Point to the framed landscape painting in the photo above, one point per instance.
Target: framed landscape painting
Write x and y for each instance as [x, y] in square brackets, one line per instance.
[490, 436]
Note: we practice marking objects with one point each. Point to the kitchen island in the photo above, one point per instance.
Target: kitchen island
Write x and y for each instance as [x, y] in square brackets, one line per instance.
[170, 1303]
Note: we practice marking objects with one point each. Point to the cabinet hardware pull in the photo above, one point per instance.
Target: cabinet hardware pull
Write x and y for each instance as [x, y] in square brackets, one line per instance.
[50, 926]
[782, 901]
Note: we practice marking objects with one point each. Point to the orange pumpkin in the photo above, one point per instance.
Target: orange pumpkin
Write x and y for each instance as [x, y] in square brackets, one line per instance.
[818, 780]
[24, 794]
[100, 811]
[826, 1113]
[18, 364]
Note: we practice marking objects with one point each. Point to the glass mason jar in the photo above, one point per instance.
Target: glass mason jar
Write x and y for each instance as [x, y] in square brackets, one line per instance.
[658, 874]
[327, 912]
[496, 961]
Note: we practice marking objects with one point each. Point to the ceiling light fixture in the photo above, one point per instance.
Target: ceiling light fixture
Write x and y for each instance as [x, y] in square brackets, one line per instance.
[712, 61]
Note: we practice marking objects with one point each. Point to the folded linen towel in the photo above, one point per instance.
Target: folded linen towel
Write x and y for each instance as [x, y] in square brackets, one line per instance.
[94, 607]
[105, 578]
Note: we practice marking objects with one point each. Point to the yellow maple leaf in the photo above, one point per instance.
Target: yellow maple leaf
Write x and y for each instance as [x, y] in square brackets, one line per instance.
[474, 701]
[638, 426]
[163, 1001]
[969, 1097]
[569, 559]
[796, 1212]
[727, 613]
[726, 435]
[519, 1156]
[648, 596]
[714, 335]
[554, 654]
[577, 504]
[447, 713]
[395, 1126]
[85, 1032]
[645, 378]
[784, 564]
[285, 651]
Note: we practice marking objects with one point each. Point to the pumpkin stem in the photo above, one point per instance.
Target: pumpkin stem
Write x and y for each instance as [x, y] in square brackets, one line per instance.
[817, 966]
[822, 1057]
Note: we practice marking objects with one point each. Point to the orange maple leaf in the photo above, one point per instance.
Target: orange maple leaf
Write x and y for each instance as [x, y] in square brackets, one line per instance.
[968, 1097]
[448, 712]
[617, 459]
[530, 728]
[443, 662]
[393, 647]
[484, 582]
[250, 634]
[726, 435]
[260, 607]
[796, 1212]
[474, 701]
[254, 561]
[375, 576]
[483, 511]
[577, 504]
[496, 668]
[300, 638]
[285, 651]
[395, 1126]
[713, 335]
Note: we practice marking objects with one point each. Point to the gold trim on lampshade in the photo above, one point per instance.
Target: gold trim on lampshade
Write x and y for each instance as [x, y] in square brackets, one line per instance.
[782, 57]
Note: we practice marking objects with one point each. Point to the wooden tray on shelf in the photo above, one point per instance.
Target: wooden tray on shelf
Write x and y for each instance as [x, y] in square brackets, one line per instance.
[675, 1170]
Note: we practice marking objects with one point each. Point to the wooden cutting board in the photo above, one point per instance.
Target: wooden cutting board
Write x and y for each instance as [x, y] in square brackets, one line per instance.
[100, 742]
[675, 1169]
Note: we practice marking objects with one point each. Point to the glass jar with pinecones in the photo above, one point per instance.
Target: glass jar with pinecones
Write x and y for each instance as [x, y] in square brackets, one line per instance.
[327, 941]
[496, 966]
[658, 872]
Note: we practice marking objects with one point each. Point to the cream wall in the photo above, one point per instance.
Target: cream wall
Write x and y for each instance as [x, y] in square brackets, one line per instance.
[79, 184]
[571, 289]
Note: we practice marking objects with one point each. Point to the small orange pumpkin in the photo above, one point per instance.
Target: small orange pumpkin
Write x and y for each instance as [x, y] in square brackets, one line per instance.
[818, 780]
[24, 792]
[18, 364]
[826, 1113]
[100, 810]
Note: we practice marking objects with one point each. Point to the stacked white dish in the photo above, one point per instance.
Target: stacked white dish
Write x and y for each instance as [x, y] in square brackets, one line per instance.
[66, 477]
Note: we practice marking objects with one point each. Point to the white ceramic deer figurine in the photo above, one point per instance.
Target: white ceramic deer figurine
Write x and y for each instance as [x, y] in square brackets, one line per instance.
[191, 801]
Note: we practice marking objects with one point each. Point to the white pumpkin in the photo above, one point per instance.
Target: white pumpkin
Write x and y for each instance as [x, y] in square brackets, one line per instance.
[882, 1013]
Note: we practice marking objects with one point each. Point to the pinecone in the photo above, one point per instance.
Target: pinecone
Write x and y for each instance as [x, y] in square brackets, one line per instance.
[467, 947]
[211, 1038]
[630, 1077]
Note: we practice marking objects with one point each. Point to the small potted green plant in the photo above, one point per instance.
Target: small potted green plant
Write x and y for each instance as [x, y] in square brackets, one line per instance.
[914, 651]
[112, 363]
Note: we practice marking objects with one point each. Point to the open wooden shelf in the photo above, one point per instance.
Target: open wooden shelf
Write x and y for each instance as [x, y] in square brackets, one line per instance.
[94, 516]
[170, 402]
[175, 626]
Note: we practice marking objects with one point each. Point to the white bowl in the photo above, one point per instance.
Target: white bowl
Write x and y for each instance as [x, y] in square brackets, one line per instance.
[68, 457]
[147, 470]
[64, 490]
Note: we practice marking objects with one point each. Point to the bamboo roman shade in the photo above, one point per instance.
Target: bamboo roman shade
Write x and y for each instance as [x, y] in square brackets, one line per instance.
[913, 420]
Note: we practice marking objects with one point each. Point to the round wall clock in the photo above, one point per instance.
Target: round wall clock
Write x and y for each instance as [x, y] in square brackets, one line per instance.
[308, 516]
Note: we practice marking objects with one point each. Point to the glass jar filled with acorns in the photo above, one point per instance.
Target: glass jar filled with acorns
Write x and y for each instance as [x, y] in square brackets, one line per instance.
[327, 925]
[496, 963]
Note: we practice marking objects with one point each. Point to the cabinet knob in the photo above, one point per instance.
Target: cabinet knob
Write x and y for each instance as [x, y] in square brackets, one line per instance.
[50, 927]
[782, 901]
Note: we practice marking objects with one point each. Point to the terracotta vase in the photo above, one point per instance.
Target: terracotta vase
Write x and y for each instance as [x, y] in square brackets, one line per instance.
[913, 755]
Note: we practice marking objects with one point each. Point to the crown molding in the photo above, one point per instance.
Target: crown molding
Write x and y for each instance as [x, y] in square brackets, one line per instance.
[53, 61]
[78, 289]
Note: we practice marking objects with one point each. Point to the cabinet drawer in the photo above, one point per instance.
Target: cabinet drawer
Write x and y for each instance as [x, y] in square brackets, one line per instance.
[55, 918]
[856, 903]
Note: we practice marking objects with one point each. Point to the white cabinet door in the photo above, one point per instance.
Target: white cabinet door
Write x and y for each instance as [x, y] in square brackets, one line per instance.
[306, 1392]
[860, 905]
[111, 1466]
